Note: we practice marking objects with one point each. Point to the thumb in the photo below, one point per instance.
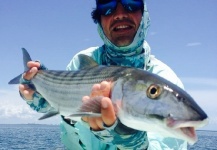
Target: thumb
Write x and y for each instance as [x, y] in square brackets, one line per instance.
[107, 111]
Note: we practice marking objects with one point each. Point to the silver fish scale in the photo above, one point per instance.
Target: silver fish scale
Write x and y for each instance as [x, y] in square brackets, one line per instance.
[65, 89]
[85, 76]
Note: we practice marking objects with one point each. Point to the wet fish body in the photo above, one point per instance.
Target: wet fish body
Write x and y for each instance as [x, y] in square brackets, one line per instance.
[143, 101]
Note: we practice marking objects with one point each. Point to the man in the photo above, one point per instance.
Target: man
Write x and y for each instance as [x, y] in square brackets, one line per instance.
[122, 25]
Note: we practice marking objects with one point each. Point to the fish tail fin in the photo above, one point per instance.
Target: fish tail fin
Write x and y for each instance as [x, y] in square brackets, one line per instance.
[26, 58]
[15, 80]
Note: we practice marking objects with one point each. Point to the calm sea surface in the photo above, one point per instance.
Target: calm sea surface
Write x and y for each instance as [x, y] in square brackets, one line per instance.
[47, 137]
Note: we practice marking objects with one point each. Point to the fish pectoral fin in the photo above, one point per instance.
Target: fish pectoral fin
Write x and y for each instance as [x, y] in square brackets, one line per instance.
[93, 105]
[90, 108]
[82, 114]
[49, 114]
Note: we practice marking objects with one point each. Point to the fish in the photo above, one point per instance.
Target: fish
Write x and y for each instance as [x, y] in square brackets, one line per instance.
[142, 100]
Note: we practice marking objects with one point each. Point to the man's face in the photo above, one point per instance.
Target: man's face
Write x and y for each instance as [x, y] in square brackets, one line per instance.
[121, 26]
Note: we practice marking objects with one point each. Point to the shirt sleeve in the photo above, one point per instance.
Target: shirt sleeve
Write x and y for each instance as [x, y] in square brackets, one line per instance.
[38, 103]
[123, 137]
[158, 142]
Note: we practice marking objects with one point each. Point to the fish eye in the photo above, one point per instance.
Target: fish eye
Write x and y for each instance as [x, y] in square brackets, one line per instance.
[153, 91]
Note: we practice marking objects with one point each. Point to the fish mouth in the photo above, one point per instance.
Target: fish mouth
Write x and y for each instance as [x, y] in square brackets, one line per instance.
[186, 129]
[189, 132]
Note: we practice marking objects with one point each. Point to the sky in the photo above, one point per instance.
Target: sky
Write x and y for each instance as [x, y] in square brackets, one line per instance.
[182, 34]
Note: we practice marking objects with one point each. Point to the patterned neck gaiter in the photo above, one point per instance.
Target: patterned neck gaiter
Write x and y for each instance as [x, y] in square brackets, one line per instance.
[134, 55]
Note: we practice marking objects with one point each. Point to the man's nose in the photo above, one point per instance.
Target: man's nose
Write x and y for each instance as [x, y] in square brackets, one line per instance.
[120, 12]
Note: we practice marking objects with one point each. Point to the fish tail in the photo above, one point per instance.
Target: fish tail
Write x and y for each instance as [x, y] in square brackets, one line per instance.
[26, 58]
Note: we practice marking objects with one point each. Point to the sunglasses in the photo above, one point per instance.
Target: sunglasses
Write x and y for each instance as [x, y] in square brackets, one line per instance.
[107, 7]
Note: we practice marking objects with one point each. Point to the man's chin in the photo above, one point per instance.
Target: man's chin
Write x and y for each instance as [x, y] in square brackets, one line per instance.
[121, 42]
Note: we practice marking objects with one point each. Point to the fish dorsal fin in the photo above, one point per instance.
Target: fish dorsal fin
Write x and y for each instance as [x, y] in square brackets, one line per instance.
[86, 61]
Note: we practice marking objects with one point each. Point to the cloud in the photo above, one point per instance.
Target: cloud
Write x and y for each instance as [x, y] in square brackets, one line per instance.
[193, 44]
[13, 109]
[17, 111]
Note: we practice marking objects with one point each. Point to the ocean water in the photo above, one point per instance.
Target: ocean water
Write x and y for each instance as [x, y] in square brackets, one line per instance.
[207, 140]
[47, 137]
[30, 137]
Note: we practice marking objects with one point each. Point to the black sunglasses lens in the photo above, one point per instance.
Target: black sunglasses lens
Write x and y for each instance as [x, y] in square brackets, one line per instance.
[132, 5]
[106, 7]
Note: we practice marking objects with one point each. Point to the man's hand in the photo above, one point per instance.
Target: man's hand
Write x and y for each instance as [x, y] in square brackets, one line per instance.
[108, 114]
[24, 89]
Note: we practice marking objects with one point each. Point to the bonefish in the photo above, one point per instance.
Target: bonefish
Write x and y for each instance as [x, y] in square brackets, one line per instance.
[143, 100]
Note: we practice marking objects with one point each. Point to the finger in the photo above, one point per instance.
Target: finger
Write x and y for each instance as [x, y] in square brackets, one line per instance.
[95, 123]
[95, 90]
[33, 70]
[85, 99]
[102, 89]
[107, 111]
[85, 119]
[30, 74]
[105, 88]
[31, 64]
[26, 92]
[99, 123]
[92, 123]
